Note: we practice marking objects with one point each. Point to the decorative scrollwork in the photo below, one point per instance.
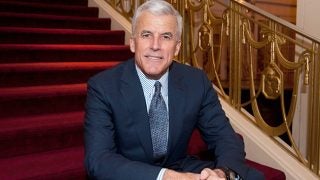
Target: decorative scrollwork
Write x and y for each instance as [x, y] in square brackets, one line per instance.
[127, 7]
[205, 37]
[266, 36]
[272, 82]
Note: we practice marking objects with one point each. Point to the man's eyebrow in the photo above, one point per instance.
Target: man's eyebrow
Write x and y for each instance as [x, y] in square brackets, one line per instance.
[145, 31]
[167, 33]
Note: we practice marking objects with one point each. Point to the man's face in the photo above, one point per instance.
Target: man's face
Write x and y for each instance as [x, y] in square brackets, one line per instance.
[155, 43]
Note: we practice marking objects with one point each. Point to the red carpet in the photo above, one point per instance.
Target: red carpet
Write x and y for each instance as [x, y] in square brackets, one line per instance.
[18, 35]
[48, 50]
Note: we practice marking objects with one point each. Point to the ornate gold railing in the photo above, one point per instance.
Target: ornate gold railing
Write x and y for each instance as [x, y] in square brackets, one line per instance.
[260, 63]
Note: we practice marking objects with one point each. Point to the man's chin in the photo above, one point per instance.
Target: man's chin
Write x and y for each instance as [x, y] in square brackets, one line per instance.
[154, 75]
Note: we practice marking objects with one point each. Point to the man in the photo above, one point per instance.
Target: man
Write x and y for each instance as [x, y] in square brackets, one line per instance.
[122, 121]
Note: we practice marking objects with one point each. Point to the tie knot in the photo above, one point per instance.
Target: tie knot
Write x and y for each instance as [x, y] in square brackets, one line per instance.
[157, 86]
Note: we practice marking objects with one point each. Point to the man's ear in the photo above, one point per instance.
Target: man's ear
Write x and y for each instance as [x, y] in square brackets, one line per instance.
[178, 46]
[132, 45]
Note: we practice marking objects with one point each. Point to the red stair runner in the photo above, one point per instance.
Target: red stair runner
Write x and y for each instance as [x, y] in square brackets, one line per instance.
[40, 8]
[52, 21]
[14, 53]
[65, 163]
[14, 35]
[49, 73]
[48, 50]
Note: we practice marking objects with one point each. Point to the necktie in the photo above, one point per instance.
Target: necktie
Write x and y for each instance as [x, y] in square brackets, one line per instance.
[159, 122]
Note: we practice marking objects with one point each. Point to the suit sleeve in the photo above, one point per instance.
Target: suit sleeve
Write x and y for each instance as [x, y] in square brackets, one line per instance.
[101, 158]
[217, 132]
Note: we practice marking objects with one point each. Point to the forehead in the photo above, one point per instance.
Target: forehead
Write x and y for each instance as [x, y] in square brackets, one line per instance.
[156, 23]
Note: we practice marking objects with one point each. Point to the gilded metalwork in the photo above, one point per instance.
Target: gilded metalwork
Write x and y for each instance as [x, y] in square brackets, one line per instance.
[125, 7]
[313, 155]
[272, 82]
[205, 37]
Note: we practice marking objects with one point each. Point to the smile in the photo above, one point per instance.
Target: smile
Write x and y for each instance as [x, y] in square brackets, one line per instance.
[154, 57]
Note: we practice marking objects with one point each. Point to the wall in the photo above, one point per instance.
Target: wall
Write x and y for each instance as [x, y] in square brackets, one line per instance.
[308, 16]
[308, 21]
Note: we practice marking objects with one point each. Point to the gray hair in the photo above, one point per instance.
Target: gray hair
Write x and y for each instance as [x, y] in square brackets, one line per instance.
[158, 7]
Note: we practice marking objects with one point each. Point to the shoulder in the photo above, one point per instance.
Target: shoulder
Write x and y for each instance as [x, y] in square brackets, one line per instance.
[186, 69]
[110, 78]
[188, 72]
[111, 74]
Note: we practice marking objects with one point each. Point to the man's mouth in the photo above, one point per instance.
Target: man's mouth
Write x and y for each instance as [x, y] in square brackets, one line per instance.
[154, 57]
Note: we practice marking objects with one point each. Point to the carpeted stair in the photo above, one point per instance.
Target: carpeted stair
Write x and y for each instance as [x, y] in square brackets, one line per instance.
[48, 50]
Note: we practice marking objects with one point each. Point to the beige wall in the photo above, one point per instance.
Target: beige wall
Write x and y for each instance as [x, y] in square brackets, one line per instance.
[308, 16]
[308, 21]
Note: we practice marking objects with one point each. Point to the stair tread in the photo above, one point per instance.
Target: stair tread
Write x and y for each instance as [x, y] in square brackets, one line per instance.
[46, 5]
[53, 21]
[79, 47]
[46, 8]
[55, 66]
[39, 123]
[50, 17]
[51, 163]
[64, 2]
[41, 91]
[16, 53]
[19, 35]
[59, 31]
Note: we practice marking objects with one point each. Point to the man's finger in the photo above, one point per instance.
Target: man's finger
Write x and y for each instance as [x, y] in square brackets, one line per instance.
[209, 174]
[205, 173]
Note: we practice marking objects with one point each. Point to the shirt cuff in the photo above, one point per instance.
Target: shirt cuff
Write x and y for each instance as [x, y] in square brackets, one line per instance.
[160, 175]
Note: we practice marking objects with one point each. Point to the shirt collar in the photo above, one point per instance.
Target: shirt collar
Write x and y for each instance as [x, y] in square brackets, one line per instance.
[163, 80]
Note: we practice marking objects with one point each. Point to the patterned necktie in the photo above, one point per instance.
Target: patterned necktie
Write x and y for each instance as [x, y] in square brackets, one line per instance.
[159, 122]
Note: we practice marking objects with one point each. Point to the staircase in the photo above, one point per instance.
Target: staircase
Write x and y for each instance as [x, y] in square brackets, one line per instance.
[48, 50]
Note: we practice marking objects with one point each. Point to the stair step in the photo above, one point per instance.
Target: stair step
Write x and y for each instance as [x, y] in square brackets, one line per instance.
[59, 164]
[64, 2]
[42, 8]
[13, 53]
[52, 66]
[53, 21]
[13, 93]
[39, 100]
[32, 134]
[20, 35]
[36, 74]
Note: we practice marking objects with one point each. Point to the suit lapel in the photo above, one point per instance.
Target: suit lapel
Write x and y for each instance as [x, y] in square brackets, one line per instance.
[132, 92]
[133, 95]
[177, 96]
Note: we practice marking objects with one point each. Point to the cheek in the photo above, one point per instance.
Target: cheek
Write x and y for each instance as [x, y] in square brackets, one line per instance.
[170, 53]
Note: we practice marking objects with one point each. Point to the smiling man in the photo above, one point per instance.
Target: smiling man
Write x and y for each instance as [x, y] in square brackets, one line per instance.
[140, 115]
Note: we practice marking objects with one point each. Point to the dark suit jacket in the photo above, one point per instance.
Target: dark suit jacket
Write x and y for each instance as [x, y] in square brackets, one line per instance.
[117, 133]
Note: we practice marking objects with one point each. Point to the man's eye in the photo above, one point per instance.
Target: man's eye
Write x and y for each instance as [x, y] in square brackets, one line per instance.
[166, 37]
[145, 35]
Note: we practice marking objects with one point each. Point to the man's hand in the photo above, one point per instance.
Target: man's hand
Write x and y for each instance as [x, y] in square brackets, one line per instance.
[174, 175]
[212, 174]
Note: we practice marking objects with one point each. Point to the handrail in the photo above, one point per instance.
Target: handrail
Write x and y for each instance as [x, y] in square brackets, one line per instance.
[277, 19]
[255, 59]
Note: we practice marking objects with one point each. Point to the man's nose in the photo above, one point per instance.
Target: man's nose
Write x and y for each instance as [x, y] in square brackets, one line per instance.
[155, 44]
